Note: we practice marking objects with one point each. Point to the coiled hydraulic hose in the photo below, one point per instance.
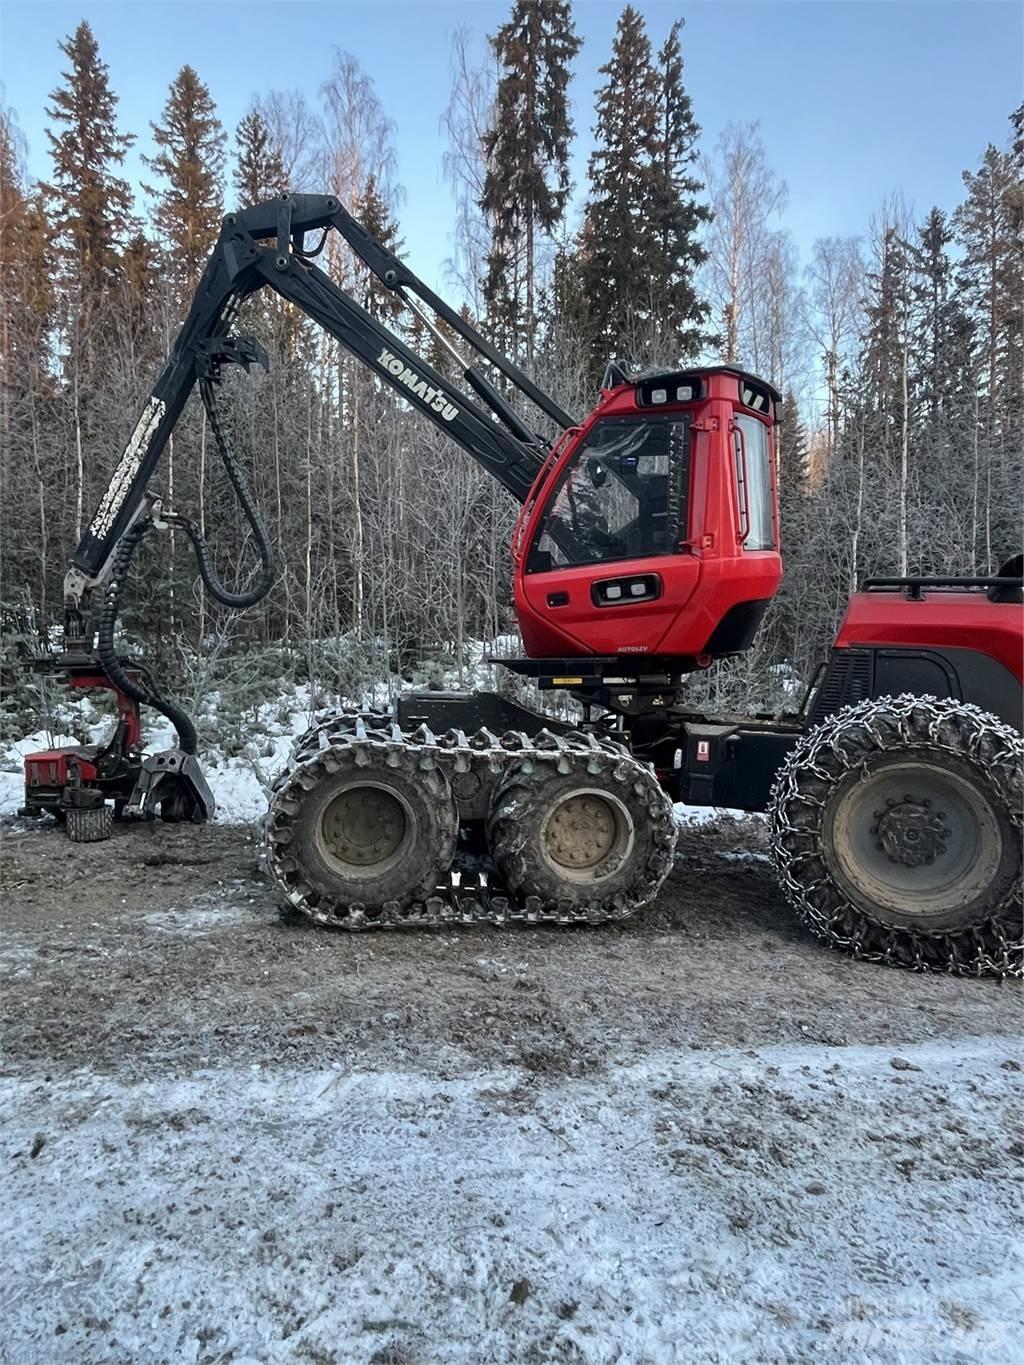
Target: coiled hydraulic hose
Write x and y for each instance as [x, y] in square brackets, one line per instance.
[213, 584]
[149, 694]
[107, 653]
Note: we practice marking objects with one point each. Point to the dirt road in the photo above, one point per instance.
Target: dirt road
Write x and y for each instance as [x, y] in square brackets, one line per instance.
[697, 1136]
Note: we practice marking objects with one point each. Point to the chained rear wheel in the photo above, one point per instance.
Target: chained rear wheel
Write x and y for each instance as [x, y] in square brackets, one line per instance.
[366, 826]
[897, 834]
[602, 836]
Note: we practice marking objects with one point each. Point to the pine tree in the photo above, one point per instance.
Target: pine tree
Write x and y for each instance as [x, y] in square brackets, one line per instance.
[91, 204]
[526, 185]
[676, 214]
[259, 173]
[622, 182]
[189, 207]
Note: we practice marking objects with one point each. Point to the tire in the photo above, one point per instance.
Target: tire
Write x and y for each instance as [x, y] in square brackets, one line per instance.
[601, 837]
[364, 826]
[89, 825]
[896, 834]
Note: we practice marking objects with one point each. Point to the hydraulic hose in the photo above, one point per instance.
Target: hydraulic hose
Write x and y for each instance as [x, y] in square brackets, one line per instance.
[213, 584]
[107, 653]
[148, 694]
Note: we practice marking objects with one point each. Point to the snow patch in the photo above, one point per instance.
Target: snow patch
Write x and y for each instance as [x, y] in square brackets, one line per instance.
[790, 1203]
[706, 815]
[196, 918]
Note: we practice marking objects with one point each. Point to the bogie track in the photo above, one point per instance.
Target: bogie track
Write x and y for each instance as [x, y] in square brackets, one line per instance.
[363, 826]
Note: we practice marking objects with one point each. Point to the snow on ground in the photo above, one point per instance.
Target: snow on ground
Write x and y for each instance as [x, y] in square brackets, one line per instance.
[788, 1203]
[240, 783]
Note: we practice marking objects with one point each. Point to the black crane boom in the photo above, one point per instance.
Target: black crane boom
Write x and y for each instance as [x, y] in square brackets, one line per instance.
[262, 247]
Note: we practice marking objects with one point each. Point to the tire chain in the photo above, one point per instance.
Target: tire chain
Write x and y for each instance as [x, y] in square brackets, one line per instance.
[985, 950]
[474, 894]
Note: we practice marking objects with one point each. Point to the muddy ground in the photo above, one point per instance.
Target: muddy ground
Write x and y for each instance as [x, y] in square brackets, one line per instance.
[165, 947]
[167, 1034]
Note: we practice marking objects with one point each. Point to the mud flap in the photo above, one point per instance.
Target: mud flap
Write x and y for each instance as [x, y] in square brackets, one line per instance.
[167, 774]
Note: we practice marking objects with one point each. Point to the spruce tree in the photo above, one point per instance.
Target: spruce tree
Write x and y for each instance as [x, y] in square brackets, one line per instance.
[91, 204]
[792, 450]
[622, 182]
[991, 276]
[189, 206]
[942, 332]
[259, 173]
[526, 185]
[26, 273]
[887, 312]
[373, 211]
[13, 208]
[676, 213]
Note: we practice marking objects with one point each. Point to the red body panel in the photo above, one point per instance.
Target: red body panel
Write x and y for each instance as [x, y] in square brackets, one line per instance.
[711, 572]
[49, 767]
[942, 619]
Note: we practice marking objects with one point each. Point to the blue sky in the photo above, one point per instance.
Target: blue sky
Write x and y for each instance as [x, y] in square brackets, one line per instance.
[855, 99]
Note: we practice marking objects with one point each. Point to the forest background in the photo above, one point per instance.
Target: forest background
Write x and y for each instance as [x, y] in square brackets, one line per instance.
[899, 349]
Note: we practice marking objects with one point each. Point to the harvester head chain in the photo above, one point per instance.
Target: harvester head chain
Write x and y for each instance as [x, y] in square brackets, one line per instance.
[844, 743]
[469, 895]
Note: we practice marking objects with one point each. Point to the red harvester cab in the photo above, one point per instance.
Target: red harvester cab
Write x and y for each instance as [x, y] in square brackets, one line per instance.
[653, 528]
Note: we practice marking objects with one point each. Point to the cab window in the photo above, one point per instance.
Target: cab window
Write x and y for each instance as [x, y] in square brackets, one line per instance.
[622, 496]
[754, 482]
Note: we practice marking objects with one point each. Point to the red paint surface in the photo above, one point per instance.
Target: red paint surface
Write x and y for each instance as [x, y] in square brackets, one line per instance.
[711, 573]
[943, 619]
[49, 767]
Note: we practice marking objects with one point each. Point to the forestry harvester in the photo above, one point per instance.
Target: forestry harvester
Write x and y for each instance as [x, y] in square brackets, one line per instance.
[647, 547]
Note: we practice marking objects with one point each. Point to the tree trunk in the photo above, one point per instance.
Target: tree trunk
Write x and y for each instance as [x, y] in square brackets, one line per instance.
[904, 459]
[202, 513]
[357, 507]
[859, 511]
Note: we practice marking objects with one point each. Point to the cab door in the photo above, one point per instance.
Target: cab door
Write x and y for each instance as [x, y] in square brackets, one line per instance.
[605, 567]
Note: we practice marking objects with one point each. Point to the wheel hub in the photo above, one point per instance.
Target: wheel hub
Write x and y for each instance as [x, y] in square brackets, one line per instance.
[581, 832]
[363, 826]
[912, 839]
[911, 832]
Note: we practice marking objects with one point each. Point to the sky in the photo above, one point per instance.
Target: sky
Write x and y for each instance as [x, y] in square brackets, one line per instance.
[855, 99]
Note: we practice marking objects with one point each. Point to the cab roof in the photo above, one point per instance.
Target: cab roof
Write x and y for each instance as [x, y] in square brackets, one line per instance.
[616, 374]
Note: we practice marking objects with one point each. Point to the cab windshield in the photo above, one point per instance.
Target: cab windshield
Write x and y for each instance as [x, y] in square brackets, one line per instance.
[622, 496]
